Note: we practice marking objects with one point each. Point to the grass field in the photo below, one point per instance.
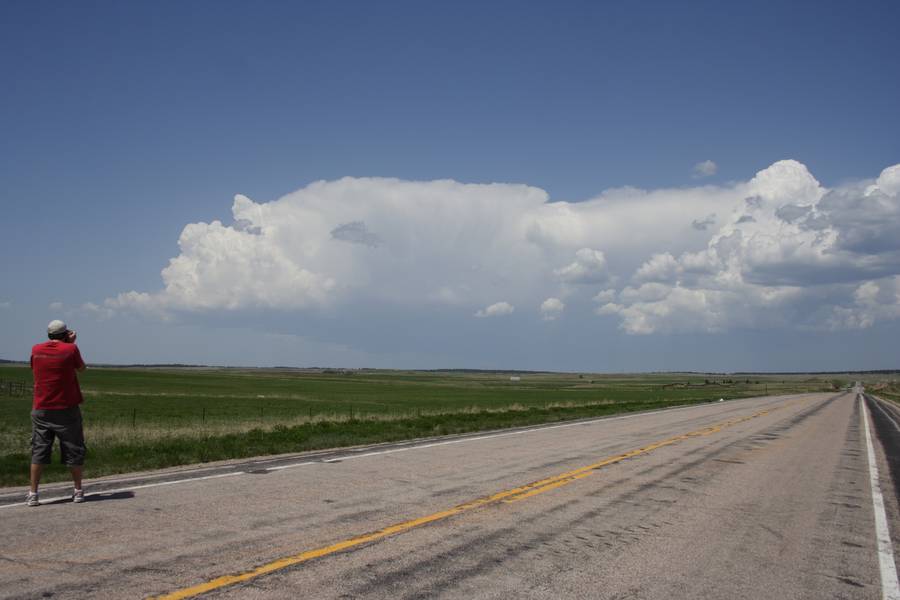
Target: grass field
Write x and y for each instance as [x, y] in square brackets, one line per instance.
[144, 418]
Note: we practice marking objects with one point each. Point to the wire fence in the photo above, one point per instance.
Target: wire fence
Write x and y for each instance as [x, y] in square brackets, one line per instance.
[15, 388]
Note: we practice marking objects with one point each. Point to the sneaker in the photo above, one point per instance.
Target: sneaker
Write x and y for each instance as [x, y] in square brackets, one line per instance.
[78, 496]
[32, 499]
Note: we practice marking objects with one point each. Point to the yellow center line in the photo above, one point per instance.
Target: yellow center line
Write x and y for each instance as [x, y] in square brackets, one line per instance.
[511, 495]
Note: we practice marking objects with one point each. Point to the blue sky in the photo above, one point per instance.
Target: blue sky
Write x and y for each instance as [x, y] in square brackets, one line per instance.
[123, 123]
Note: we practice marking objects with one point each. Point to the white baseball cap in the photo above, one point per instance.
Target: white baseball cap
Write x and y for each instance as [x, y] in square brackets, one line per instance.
[55, 327]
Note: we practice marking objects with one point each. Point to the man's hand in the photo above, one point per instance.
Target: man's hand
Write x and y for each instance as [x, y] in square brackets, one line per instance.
[71, 337]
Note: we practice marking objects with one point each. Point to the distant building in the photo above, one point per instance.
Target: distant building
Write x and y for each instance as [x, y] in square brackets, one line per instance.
[515, 378]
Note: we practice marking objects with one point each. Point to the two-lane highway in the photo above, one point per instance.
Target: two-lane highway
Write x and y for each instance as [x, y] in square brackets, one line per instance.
[757, 498]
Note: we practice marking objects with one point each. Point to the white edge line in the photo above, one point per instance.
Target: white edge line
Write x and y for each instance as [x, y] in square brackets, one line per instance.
[890, 589]
[133, 487]
[389, 451]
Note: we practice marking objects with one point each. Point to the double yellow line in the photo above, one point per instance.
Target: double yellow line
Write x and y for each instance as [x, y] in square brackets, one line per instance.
[511, 495]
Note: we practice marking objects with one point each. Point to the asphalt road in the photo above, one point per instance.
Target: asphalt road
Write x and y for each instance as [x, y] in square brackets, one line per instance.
[758, 498]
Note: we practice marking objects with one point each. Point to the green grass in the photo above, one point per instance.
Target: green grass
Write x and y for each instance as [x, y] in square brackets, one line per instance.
[146, 418]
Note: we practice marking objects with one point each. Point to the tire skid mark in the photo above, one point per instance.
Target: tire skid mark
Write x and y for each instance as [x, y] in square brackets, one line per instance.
[514, 494]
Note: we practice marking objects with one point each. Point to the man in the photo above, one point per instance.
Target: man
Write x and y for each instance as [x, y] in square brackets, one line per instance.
[55, 411]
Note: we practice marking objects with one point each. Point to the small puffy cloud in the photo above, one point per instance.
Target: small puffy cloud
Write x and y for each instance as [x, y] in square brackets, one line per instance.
[55, 306]
[5, 304]
[497, 309]
[605, 296]
[648, 292]
[707, 168]
[552, 309]
[589, 267]
[610, 308]
[660, 267]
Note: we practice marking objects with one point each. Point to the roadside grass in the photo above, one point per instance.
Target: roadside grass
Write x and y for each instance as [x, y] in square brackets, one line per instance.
[148, 418]
[888, 391]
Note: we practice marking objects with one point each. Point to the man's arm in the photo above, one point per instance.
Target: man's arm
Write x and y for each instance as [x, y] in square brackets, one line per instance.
[79, 362]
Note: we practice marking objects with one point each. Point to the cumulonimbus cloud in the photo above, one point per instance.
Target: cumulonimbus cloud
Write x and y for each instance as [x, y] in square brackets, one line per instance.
[782, 251]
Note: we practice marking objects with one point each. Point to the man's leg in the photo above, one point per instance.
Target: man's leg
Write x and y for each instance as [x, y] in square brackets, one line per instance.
[76, 470]
[71, 444]
[41, 446]
[36, 471]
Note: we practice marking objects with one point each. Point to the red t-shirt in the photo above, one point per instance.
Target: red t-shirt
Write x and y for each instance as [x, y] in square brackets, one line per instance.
[55, 383]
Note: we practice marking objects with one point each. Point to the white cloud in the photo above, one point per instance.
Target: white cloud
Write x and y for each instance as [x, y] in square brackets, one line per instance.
[873, 301]
[779, 250]
[5, 304]
[407, 243]
[589, 267]
[660, 308]
[498, 309]
[660, 267]
[101, 313]
[605, 296]
[789, 252]
[707, 168]
[888, 183]
[55, 306]
[355, 240]
[224, 268]
[552, 309]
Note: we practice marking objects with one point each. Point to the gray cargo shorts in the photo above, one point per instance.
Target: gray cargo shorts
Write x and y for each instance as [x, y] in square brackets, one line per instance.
[64, 424]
